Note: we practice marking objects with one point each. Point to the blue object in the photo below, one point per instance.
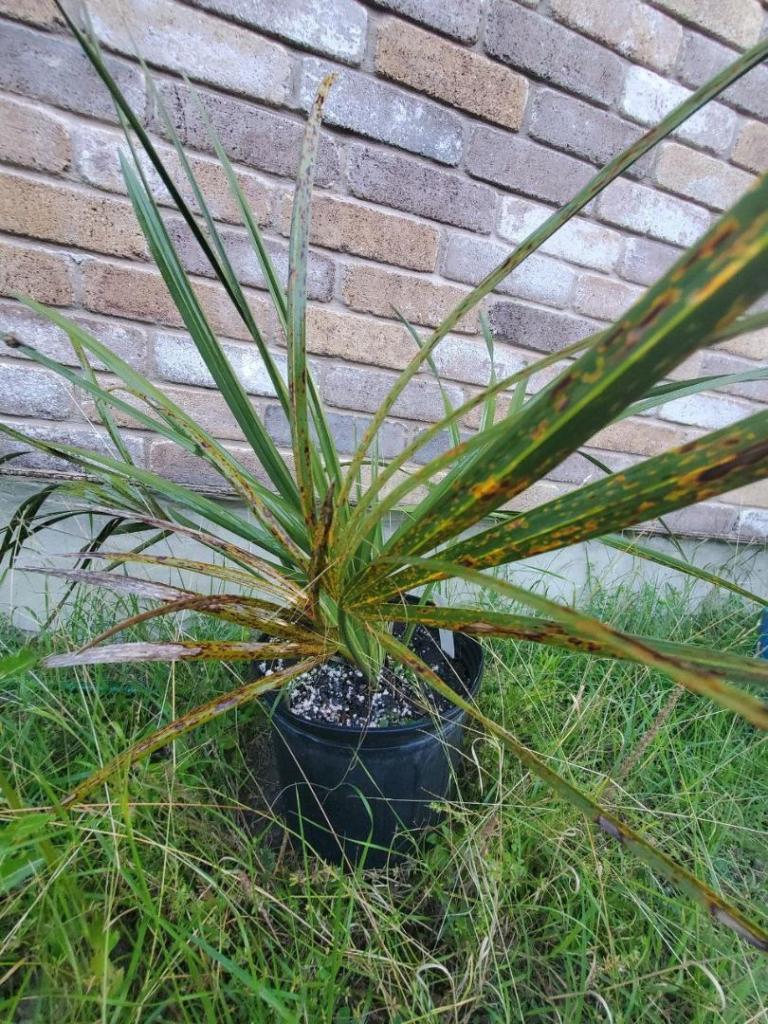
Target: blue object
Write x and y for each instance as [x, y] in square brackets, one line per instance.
[762, 635]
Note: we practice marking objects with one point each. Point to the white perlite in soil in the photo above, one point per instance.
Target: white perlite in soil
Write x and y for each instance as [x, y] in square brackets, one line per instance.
[337, 693]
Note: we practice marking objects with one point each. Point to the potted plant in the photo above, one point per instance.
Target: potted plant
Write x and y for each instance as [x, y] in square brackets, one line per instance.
[313, 573]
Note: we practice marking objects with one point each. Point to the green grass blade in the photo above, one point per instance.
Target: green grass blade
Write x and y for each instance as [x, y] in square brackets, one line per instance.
[632, 547]
[719, 909]
[489, 404]
[683, 388]
[274, 999]
[447, 404]
[21, 661]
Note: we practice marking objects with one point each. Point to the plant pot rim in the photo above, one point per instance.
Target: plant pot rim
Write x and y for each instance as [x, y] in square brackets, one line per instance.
[473, 662]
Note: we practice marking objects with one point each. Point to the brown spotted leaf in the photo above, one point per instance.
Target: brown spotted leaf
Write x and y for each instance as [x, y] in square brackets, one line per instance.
[719, 909]
[193, 719]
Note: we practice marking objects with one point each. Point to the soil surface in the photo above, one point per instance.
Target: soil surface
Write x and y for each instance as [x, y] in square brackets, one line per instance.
[338, 693]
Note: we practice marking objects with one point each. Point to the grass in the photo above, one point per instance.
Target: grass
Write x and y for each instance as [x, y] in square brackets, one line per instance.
[176, 898]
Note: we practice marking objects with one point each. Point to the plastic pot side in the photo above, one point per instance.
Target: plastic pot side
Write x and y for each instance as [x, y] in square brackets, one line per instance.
[363, 796]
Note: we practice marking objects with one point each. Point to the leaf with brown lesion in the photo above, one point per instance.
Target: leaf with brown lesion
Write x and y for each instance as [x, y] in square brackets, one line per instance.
[186, 723]
[719, 909]
[249, 612]
[187, 650]
[484, 622]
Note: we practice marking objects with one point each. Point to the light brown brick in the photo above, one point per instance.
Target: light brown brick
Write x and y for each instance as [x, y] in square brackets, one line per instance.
[700, 177]
[354, 228]
[68, 216]
[33, 137]
[422, 302]
[632, 28]
[751, 150]
[603, 298]
[46, 276]
[358, 339]
[736, 21]
[207, 409]
[96, 158]
[450, 73]
[140, 294]
[37, 12]
[640, 435]
[205, 48]
[753, 345]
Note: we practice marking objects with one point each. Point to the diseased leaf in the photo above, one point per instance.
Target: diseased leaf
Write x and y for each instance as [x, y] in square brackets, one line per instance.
[199, 716]
[720, 910]
[700, 469]
[712, 283]
[484, 622]
[608, 639]
[185, 650]
[120, 584]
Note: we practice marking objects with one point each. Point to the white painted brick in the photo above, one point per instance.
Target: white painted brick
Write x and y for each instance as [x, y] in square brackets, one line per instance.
[335, 28]
[380, 111]
[752, 525]
[204, 48]
[707, 410]
[177, 360]
[579, 241]
[33, 391]
[468, 360]
[469, 259]
[648, 97]
[629, 205]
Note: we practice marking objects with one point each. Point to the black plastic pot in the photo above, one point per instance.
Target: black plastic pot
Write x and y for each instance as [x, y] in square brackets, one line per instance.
[363, 796]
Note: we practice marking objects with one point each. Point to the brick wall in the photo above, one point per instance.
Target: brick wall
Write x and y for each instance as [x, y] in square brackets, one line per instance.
[454, 127]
